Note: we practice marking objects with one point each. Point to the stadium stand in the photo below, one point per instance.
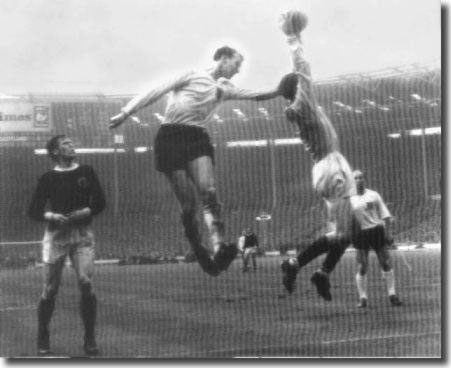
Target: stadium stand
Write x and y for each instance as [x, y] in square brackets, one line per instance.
[389, 124]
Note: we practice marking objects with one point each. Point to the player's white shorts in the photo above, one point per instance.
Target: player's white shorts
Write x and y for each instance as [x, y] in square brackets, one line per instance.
[333, 180]
[249, 250]
[332, 177]
[77, 242]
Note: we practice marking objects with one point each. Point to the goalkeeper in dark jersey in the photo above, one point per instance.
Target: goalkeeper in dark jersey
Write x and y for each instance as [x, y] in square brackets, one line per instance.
[66, 199]
[331, 173]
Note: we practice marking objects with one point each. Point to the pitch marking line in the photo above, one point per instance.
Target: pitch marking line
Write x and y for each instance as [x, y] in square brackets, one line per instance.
[275, 347]
[37, 242]
[355, 339]
[25, 307]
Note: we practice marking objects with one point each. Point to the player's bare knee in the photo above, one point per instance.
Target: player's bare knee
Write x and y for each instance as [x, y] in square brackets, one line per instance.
[49, 292]
[208, 194]
[384, 260]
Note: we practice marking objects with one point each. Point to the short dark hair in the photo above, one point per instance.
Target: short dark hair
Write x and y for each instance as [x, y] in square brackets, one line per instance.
[288, 86]
[52, 145]
[226, 51]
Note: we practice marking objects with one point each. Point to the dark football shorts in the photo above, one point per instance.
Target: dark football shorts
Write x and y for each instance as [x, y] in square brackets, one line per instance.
[178, 144]
[370, 238]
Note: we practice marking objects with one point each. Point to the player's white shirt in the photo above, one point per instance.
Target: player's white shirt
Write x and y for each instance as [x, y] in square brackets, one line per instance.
[241, 241]
[369, 209]
[193, 97]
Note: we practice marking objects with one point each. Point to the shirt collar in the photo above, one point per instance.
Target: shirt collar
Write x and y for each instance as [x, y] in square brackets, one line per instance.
[72, 167]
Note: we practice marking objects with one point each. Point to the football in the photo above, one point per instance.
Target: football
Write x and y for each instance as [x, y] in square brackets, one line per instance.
[293, 22]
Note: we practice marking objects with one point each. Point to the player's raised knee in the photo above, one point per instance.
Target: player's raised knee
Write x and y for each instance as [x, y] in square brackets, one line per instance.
[49, 292]
[209, 197]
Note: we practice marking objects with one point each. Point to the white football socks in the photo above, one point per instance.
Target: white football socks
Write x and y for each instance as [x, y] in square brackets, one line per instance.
[362, 285]
[215, 238]
[389, 278]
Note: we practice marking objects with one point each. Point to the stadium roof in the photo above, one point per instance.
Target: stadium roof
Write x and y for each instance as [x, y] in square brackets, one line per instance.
[429, 73]
[406, 71]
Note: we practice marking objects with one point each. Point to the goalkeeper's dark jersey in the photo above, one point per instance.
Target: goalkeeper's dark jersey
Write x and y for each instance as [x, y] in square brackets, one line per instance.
[315, 129]
[250, 241]
[67, 191]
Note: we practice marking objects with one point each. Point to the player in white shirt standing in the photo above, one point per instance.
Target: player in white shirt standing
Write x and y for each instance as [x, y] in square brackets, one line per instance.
[183, 150]
[374, 219]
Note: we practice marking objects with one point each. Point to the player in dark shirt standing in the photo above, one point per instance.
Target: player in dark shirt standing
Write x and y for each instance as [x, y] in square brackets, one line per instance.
[248, 245]
[67, 198]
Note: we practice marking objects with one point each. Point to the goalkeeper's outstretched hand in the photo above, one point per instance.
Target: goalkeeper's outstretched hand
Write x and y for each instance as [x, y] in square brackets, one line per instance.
[117, 120]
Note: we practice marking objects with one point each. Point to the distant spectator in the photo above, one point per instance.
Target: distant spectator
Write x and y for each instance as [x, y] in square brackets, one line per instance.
[248, 245]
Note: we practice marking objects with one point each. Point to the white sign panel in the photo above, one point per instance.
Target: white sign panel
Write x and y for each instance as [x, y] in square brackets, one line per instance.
[24, 117]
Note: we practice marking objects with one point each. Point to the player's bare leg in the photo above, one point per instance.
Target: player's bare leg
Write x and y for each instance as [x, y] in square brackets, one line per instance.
[245, 261]
[52, 280]
[361, 277]
[388, 275]
[202, 173]
[185, 191]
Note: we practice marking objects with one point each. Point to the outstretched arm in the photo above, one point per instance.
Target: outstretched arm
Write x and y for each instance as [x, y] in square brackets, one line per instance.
[316, 130]
[147, 98]
[230, 92]
[300, 64]
[302, 68]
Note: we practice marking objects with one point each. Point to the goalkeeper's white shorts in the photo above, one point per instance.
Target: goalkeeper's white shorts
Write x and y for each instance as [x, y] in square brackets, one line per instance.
[332, 177]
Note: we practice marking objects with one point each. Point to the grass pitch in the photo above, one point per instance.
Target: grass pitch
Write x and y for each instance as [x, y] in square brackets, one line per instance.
[176, 311]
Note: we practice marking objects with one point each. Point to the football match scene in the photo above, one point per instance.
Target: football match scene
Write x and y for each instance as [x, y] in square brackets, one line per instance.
[197, 179]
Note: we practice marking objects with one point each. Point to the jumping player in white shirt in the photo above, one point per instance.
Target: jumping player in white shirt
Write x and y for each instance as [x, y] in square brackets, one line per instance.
[184, 153]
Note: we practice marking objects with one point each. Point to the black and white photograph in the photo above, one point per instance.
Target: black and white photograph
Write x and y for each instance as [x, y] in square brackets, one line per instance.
[200, 179]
